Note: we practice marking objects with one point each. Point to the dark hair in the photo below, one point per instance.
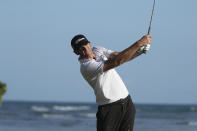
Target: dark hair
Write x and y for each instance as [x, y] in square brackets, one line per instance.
[79, 40]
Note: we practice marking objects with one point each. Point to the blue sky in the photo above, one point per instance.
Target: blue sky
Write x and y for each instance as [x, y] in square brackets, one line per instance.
[37, 62]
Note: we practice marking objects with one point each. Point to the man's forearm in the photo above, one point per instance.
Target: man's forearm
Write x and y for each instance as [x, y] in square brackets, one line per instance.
[127, 54]
[135, 55]
[113, 54]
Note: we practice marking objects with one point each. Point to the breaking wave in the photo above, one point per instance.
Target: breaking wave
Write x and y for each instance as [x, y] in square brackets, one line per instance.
[56, 116]
[59, 116]
[190, 123]
[88, 115]
[39, 109]
[71, 108]
[193, 109]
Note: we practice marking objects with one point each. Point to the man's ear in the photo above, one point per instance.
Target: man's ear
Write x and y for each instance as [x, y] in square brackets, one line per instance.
[83, 50]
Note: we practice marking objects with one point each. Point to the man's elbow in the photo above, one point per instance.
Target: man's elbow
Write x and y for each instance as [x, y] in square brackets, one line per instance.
[118, 62]
[112, 63]
[113, 55]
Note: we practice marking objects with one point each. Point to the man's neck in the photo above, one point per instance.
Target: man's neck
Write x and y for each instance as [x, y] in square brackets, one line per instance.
[89, 57]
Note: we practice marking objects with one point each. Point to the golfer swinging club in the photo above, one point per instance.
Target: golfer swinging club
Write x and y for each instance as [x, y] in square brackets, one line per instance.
[116, 111]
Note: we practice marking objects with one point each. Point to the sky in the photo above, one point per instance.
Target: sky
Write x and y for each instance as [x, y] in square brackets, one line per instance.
[38, 64]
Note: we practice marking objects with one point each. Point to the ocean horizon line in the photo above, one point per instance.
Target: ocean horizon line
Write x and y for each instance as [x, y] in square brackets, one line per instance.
[94, 103]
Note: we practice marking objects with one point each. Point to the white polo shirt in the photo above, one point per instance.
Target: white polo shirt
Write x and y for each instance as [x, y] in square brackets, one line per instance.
[108, 86]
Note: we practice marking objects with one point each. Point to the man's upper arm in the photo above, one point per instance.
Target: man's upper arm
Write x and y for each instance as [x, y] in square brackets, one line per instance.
[110, 63]
[113, 54]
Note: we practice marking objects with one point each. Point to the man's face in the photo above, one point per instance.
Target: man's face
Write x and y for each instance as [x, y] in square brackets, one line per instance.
[84, 50]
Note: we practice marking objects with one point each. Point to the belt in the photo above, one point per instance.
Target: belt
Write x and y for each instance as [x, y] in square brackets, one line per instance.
[118, 102]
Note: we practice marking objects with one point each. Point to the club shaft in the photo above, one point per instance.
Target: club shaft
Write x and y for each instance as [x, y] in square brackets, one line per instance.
[149, 29]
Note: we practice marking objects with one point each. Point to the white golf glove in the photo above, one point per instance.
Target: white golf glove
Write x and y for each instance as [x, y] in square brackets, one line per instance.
[147, 47]
[144, 49]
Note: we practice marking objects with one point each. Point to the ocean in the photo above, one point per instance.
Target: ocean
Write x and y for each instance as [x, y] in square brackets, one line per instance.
[58, 116]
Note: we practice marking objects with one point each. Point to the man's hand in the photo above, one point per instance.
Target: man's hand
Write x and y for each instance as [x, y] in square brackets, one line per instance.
[144, 43]
[145, 40]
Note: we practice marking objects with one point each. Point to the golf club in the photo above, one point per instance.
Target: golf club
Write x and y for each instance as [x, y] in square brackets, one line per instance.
[145, 48]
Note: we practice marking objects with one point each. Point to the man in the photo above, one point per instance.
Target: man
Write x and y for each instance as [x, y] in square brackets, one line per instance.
[116, 111]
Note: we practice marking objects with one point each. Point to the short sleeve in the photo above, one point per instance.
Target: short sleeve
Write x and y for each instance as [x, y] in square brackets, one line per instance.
[104, 51]
[107, 52]
[92, 68]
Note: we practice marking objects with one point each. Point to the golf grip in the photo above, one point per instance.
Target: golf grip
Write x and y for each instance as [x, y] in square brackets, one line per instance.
[145, 48]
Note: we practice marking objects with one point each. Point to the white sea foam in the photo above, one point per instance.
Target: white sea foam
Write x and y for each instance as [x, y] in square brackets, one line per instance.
[40, 109]
[188, 123]
[193, 109]
[56, 116]
[71, 108]
[88, 115]
[192, 123]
